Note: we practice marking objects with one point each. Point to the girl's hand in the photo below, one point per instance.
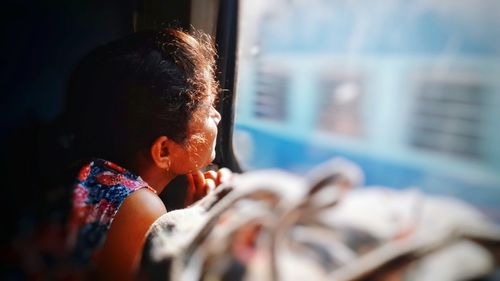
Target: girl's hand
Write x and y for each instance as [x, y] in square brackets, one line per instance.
[200, 184]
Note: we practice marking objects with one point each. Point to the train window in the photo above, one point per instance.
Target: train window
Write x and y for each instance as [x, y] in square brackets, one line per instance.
[407, 90]
[448, 117]
[340, 113]
[271, 95]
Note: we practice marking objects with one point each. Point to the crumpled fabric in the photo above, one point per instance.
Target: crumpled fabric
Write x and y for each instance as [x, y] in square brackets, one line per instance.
[273, 225]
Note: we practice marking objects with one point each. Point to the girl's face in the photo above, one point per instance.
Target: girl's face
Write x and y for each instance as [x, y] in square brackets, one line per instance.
[199, 149]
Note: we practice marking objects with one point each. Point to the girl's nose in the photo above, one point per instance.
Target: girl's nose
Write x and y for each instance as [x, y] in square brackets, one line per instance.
[216, 115]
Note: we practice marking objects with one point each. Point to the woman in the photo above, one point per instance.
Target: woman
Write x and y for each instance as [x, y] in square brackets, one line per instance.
[142, 112]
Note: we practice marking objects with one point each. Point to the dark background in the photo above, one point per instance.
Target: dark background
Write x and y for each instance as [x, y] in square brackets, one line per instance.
[42, 41]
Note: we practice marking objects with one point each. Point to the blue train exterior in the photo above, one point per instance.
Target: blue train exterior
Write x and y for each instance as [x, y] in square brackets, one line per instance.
[410, 95]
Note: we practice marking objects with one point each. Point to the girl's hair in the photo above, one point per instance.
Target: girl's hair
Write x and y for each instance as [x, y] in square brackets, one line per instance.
[125, 94]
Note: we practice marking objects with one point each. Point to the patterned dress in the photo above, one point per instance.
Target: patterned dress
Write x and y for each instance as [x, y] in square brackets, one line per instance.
[100, 189]
[53, 248]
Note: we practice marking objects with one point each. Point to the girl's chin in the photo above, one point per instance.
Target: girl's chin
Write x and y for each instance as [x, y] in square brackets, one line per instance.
[209, 160]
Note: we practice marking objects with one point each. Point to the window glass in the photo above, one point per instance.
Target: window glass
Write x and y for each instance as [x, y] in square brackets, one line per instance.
[406, 90]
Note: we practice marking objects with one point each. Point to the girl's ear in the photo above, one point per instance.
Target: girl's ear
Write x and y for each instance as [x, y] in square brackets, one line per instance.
[161, 151]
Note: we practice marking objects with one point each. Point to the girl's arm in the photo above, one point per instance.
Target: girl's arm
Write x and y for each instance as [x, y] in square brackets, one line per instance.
[120, 255]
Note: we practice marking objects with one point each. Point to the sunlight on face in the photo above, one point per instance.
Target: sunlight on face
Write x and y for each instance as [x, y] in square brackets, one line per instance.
[199, 149]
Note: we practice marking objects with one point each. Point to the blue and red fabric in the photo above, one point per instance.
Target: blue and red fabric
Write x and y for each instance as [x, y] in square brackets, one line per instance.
[100, 189]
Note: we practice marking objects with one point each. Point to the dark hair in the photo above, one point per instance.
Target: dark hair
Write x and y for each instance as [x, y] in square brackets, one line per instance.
[125, 94]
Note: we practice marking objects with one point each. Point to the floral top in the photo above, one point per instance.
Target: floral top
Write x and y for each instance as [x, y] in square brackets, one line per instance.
[100, 189]
[54, 248]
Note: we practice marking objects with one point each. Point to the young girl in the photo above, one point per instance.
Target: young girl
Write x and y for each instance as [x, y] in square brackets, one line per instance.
[141, 112]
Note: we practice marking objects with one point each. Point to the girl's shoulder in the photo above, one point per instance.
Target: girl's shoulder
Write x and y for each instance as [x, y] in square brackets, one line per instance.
[102, 194]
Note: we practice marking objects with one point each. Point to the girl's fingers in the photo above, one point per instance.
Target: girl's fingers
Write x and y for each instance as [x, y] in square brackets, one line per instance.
[191, 190]
[211, 175]
[210, 185]
[223, 175]
[200, 184]
[196, 187]
[201, 192]
[199, 179]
